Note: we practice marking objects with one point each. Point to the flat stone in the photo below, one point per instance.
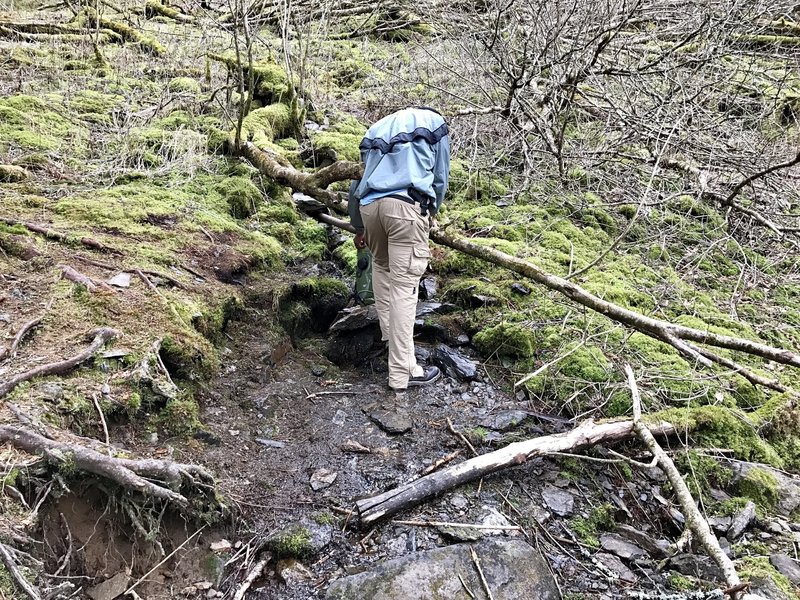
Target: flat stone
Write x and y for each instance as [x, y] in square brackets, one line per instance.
[513, 571]
[390, 419]
[657, 548]
[322, 478]
[51, 391]
[504, 420]
[741, 521]
[520, 289]
[696, 565]
[786, 566]
[614, 564]
[356, 317]
[121, 280]
[559, 501]
[353, 446]
[454, 363]
[720, 525]
[428, 287]
[615, 544]
[111, 587]
[303, 538]
[270, 443]
[460, 534]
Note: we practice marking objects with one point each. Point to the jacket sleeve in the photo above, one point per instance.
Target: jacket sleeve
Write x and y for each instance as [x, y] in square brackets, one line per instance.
[441, 170]
[354, 208]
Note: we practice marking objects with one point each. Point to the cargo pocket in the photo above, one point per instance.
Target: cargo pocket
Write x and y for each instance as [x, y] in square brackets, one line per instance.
[419, 261]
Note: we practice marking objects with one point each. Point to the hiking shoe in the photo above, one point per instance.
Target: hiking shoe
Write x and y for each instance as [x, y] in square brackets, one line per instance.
[429, 375]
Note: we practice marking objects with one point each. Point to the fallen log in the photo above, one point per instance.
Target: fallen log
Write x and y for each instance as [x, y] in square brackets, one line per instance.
[60, 237]
[588, 433]
[678, 336]
[101, 336]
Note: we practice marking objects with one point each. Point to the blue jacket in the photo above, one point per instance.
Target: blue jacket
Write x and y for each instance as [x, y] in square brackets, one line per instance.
[408, 149]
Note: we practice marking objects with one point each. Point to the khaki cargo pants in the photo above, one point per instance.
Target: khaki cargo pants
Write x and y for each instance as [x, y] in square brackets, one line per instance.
[397, 236]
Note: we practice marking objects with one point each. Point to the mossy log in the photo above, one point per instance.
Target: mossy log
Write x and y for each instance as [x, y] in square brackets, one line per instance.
[382, 506]
[137, 475]
[154, 8]
[680, 337]
[67, 35]
[769, 40]
[128, 34]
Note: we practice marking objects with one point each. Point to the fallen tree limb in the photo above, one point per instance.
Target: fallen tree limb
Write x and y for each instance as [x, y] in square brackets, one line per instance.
[101, 336]
[60, 237]
[131, 474]
[694, 519]
[670, 333]
[588, 433]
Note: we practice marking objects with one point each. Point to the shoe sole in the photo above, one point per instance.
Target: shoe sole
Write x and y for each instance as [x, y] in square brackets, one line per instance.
[428, 382]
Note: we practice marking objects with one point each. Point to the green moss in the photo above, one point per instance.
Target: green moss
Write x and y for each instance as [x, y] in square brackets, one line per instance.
[240, 194]
[319, 289]
[95, 107]
[323, 518]
[506, 339]
[29, 123]
[341, 146]
[757, 569]
[731, 506]
[264, 125]
[587, 529]
[586, 364]
[270, 82]
[347, 255]
[180, 416]
[680, 583]
[702, 473]
[760, 486]
[293, 542]
[12, 174]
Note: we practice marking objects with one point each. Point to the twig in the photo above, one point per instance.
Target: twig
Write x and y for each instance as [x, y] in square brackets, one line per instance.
[19, 579]
[466, 589]
[460, 436]
[254, 574]
[694, 519]
[442, 461]
[477, 562]
[458, 525]
[163, 560]
[102, 422]
[317, 394]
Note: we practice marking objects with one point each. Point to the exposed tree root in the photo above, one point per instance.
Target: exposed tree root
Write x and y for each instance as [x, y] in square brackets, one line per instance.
[678, 336]
[74, 276]
[382, 506]
[137, 475]
[101, 336]
[19, 579]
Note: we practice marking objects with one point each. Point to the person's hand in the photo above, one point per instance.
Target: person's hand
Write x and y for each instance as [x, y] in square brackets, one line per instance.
[360, 241]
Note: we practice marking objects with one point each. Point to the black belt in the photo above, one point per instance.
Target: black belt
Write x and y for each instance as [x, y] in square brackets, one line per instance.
[425, 203]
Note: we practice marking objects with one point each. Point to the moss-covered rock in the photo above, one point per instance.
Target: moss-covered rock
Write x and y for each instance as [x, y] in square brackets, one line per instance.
[184, 85]
[506, 339]
[760, 486]
[241, 195]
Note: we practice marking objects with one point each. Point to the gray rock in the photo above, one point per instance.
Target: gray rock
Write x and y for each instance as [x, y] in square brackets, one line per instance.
[356, 317]
[720, 525]
[454, 363]
[51, 391]
[390, 419]
[302, 539]
[428, 288]
[698, 566]
[111, 587]
[788, 488]
[614, 564]
[460, 534]
[513, 570]
[559, 501]
[322, 478]
[122, 280]
[520, 289]
[741, 521]
[270, 443]
[615, 544]
[655, 548]
[505, 420]
[786, 566]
